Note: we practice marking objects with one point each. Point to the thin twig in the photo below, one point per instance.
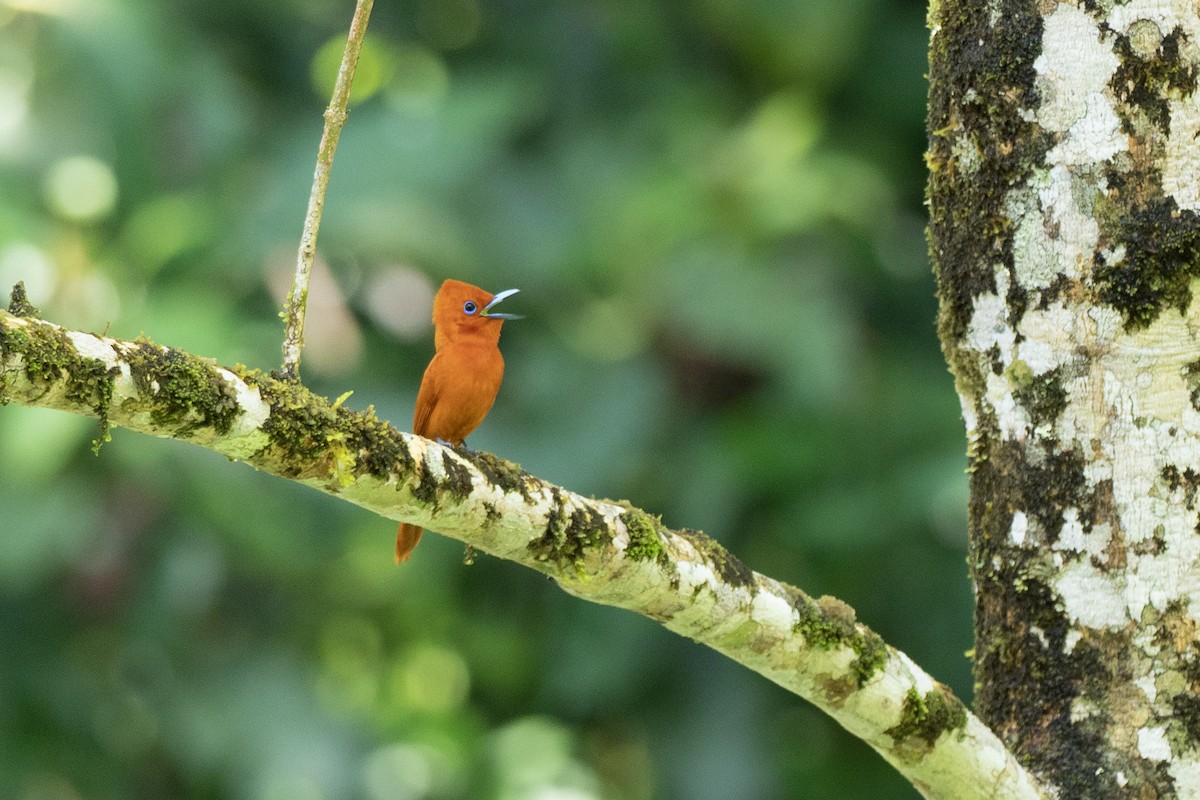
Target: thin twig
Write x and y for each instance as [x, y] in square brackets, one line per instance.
[335, 118]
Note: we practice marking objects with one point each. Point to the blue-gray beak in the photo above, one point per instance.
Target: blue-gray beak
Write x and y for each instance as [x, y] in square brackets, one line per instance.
[487, 310]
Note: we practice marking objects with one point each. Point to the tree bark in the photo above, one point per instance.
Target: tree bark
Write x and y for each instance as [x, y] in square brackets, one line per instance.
[1064, 186]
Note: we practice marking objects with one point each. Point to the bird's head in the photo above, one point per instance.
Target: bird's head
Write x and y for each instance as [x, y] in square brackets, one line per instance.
[460, 309]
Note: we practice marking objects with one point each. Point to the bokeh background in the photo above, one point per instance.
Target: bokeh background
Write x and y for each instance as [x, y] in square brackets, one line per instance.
[713, 209]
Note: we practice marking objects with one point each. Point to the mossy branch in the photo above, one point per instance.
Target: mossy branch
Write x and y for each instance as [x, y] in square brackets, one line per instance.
[597, 550]
[335, 117]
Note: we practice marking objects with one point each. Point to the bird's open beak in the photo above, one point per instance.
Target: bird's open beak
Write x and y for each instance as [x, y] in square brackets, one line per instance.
[487, 310]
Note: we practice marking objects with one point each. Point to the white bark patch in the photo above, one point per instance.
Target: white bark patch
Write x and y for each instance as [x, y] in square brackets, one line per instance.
[1186, 772]
[1049, 336]
[1077, 232]
[1151, 362]
[1071, 537]
[695, 575]
[1040, 635]
[994, 12]
[1146, 23]
[772, 611]
[966, 154]
[1083, 708]
[1153, 744]
[1036, 259]
[1098, 599]
[1135, 453]
[921, 681]
[105, 351]
[246, 436]
[1091, 597]
[1073, 74]
[1181, 167]
[434, 463]
[1166, 14]
[90, 346]
[1146, 684]
[1011, 418]
[1095, 137]
[989, 326]
[1055, 232]
[1124, 416]
[1020, 526]
[970, 418]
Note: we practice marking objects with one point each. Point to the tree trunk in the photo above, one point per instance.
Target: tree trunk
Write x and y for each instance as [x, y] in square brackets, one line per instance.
[1064, 182]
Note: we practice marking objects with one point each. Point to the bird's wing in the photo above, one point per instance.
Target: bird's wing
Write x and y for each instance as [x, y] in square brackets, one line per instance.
[427, 398]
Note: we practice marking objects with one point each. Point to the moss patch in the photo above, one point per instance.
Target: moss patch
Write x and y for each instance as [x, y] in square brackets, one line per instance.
[186, 392]
[504, 475]
[310, 437]
[924, 718]
[1186, 709]
[725, 564]
[1026, 686]
[1003, 481]
[315, 439]
[1161, 256]
[94, 387]
[982, 82]
[380, 449]
[568, 536]
[455, 483]
[1186, 479]
[1191, 377]
[298, 420]
[645, 537]
[51, 362]
[1043, 396]
[19, 305]
[829, 623]
[1144, 83]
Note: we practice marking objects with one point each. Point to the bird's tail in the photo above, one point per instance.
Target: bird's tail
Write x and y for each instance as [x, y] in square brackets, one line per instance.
[406, 540]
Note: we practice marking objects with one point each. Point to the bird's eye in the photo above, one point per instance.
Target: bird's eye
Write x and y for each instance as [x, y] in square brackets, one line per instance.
[469, 307]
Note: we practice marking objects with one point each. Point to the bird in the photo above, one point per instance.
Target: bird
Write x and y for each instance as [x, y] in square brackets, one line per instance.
[462, 379]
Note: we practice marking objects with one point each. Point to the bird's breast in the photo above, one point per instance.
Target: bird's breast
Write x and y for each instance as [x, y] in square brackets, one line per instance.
[467, 379]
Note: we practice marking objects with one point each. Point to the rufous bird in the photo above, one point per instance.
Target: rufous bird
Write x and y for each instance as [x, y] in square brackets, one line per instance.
[461, 381]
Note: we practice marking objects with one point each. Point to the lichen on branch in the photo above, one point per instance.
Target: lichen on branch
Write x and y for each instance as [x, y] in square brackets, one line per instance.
[597, 550]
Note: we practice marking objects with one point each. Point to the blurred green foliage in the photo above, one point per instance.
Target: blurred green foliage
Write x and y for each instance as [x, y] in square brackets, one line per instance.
[713, 210]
